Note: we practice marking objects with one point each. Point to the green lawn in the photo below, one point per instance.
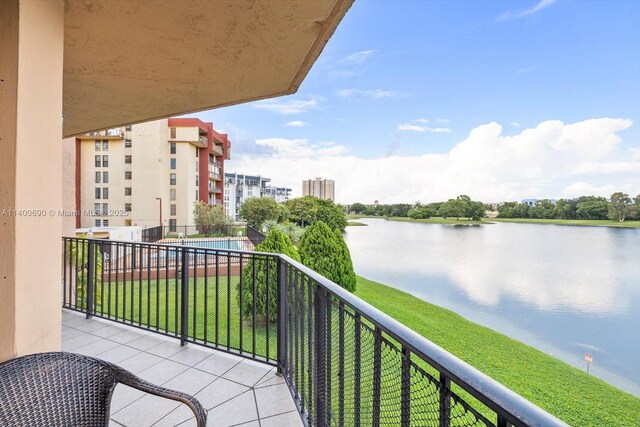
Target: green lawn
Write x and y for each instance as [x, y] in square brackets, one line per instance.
[591, 222]
[356, 224]
[433, 220]
[567, 392]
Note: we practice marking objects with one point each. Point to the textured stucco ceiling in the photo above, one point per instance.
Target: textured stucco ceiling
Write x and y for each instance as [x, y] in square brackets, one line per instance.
[128, 61]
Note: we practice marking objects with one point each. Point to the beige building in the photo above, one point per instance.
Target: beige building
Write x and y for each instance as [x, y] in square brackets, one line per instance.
[320, 188]
[149, 174]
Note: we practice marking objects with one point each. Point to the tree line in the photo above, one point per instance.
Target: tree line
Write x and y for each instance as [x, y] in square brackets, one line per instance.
[619, 207]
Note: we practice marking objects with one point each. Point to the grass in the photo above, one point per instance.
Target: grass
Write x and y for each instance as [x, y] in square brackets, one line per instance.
[356, 224]
[564, 391]
[589, 222]
[433, 220]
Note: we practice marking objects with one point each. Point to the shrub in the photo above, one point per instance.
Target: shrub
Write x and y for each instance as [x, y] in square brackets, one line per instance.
[278, 243]
[325, 251]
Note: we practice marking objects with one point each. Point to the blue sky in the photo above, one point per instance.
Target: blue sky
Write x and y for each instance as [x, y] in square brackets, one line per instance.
[425, 100]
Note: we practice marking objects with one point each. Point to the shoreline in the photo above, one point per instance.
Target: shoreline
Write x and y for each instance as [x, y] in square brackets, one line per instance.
[577, 398]
[491, 221]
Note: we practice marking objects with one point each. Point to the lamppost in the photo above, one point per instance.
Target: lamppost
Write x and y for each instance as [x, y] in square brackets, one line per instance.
[160, 199]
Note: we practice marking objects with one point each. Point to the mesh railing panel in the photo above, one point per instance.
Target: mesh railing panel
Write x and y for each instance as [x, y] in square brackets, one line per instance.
[345, 371]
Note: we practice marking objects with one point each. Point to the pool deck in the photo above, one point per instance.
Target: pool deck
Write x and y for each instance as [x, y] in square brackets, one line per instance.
[234, 391]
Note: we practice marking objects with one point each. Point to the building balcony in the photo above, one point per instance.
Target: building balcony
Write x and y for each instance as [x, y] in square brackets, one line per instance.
[245, 331]
[216, 176]
[215, 190]
[233, 390]
[218, 150]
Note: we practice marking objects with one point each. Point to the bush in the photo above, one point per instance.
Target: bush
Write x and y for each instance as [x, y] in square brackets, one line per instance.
[277, 243]
[325, 251]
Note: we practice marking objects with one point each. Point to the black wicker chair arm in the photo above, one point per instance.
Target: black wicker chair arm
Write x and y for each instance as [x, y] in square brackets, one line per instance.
[127, 378]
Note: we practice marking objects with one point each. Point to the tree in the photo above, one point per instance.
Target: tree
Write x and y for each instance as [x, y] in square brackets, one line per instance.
[307, 210]
[592, 207]
[358, 208]
[476, 210]
[261, 273]
[325, 251]
[544, 209]
[565, 209]
[620, 206]
[257, 210]
[210, 219]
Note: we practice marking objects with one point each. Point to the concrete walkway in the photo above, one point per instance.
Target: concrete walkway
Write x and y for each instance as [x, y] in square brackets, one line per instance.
[233, 390]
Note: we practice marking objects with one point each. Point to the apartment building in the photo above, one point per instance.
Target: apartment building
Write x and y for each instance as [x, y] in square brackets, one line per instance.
[240, 187]
[319, 187]
[149, 174]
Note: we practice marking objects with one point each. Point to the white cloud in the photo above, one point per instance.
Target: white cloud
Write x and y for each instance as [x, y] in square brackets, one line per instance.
[442, 120]
[357, 57]
[418, 128]
[422, 120]
[605, 167]
[369, 93]
[634, 153]
[515, 124]
[301, 148]
[510, 16]
[486, 165]
[289, 106]
[524, 70]
[296, 124]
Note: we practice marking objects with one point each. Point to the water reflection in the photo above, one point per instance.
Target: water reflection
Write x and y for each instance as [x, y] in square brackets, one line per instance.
[566, 290]
[579, 270]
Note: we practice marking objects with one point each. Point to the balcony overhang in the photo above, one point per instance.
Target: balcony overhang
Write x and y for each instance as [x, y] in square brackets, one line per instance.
[131, 61]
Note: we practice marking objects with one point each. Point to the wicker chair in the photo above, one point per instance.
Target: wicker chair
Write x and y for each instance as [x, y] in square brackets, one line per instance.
[68, 389]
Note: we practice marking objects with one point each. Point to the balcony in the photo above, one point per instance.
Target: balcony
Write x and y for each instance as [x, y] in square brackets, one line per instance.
[233, 390]
[216, 176]
[343, 361]
[217, 150]
[216, 190]
[203, 140]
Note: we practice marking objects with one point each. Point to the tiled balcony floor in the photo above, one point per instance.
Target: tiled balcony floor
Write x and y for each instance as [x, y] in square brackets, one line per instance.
[234, 391]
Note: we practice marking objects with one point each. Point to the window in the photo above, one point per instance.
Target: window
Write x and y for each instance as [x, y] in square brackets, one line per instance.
[172, 194]
[196, 195]
[98, 163]
[96, 209]
[105, 209]
[172, 225]
[97, 223]
[127, 207]
[197, 152]
[173, 163]
[97, 192]
[173, 210]
[127, 128]
[105, 193]
[105, 145]
[127, 174]
[98, 175]
[173, 133]
[127, 191]
[105, 177]
[105, 161]
[127, 222]
[197, 180]
[105, 222]
[173, 148]
[127, 143]
[127, 159]
[98, 145]
[172, 179]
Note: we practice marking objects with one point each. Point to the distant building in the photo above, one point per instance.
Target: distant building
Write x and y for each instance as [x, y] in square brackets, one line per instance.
[240, 187]
[320, 188]
[148, 173]
[533, 202]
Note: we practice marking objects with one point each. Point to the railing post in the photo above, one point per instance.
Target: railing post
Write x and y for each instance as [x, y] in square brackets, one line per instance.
[445, 407]
[282, 313]
[184, 281]
[90, 273]
[320, 357]
[377, 374]
[405, 391]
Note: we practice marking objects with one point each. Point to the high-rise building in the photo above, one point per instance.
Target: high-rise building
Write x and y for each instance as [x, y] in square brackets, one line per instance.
[320, 188]
[240, 187]
[149, 173]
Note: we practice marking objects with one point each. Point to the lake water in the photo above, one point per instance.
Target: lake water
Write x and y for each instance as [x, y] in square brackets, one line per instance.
[566, 290]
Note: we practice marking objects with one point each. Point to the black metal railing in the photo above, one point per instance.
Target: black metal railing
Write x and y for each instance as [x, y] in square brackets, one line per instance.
[254, 235]
[183, 231]
[152, 234]
[345, 362]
